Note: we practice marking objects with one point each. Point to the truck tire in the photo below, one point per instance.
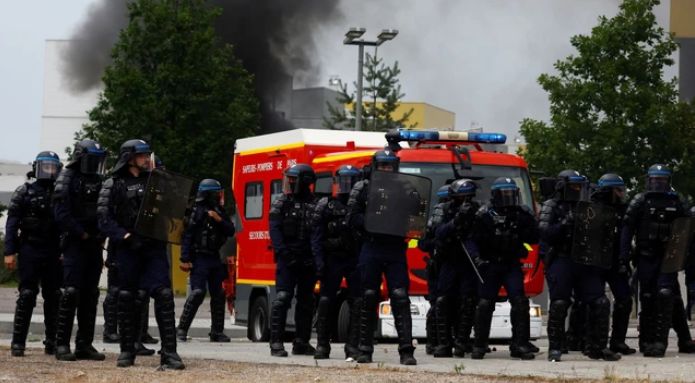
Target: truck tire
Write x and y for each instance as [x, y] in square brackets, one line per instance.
[259, 321]
[343, 323]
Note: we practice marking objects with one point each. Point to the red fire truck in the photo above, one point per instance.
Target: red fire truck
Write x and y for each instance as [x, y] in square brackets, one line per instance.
[440, 156]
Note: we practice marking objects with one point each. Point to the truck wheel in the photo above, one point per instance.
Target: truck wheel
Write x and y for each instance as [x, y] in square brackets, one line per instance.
[343, 325]
[259, 318]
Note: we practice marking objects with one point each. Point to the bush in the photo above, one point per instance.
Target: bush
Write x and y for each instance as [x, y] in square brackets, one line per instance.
[7, 277]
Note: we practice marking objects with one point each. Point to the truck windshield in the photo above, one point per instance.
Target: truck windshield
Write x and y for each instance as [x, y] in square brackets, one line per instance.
[440, 173]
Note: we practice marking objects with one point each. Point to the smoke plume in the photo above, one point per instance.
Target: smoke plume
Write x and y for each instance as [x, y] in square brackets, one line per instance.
[274, 40]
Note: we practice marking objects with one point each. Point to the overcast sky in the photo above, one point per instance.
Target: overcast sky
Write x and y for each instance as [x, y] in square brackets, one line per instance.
[477, 58]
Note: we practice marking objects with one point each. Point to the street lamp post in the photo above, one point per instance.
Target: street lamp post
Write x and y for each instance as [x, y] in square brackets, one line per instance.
[353, 37]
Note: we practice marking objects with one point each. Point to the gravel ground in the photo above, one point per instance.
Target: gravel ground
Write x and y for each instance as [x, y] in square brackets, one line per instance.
[38, 368]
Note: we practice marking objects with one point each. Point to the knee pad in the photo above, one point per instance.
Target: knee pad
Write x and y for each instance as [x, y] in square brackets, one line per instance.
[29, 296]
[164, 294]
[324, 301]
[665, 293]
[112, 292]
[601, 303]
[520, 302]
[401, 296]
[72, 294]
[370, 294]
[283, 299]
[125, 295]
[486, 304]
[142, 295]
[559, 305]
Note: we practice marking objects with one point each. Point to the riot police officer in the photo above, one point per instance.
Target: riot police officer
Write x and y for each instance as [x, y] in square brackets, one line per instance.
[32, 233]
[502, 227]
[143, 266]
[432, 267]
[207, 231]
[290, 234]
[564, 275]
[457, 282]
[381, 254]
[336, 253]
[75, 208]
[648, 219]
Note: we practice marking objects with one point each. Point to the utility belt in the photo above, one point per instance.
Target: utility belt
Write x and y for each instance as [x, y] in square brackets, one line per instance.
[301, 252]
[500, 258]
[95, 239]
[650, 252]
[34, 240]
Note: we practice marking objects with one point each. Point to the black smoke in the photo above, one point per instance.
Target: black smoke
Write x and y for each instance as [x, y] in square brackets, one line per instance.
[275, 40]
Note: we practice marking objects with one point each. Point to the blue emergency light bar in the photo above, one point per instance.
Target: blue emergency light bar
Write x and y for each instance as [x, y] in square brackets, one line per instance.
[435, 135]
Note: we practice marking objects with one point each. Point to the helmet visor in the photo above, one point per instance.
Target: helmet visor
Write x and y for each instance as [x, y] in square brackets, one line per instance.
[387, 166]
[47, 169]
[506, 196]
[574, 191]
[292, 185]
[93, 163]
[659, 184]
[619, 194]
[345, 183]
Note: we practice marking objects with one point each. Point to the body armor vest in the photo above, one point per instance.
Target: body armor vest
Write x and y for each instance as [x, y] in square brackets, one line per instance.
[84, 206]
[296, 220]
[655, 226]
[37, 223]
[210, 237]
[504, 242]
[339, 239]
[129, 195]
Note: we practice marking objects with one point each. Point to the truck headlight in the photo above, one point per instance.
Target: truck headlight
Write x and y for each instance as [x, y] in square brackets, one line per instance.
[534, 311]
[414, 310]
[386, 309]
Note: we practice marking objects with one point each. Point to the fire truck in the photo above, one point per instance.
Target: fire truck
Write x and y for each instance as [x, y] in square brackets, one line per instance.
[441, 156]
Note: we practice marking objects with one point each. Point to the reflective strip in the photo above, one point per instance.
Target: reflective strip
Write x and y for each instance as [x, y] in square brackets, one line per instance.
[343, 157]
[47, 159]
[255, 282]
[528, 247]
[412, 244]
[271, 149]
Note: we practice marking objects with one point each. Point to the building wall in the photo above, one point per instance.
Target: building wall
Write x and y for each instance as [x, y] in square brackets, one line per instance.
[309, 106]
[683, 25]
[424, 116]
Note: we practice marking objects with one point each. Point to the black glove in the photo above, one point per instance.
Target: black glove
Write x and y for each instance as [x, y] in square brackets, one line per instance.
[133, 242]
[480, 263]
[569, 219]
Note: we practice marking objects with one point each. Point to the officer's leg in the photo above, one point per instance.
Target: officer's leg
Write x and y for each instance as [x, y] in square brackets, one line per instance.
[680, 323]
[330, 283]
[304, 312]
[218, 301]
[647, 274]
[87, 308]
[51, 280]
[164, 297]
[140, 349]
[487, 292]
[128, 266]
[111, 307]
[447, 291]
[73, 272]
[520, 346]
[145, 336]
[622, 309]
[398, 282]
[352, 280]
[198, 279]
[591, 289]
[560, 281]
[431, 321]
[29, 265]
[666, 284]
[370, 279]
[284, 286]
[575, 335]
[468, 301]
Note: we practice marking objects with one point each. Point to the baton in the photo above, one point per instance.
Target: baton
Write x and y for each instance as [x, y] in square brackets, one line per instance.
[465, 250]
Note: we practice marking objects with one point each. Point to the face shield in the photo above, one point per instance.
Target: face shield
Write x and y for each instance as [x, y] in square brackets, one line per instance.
[619, 194]
[506, 196]
[659, 184]
[574, 191]
[291, 185]
[93, 162]
[345, 183]
[386, 166]
[47, 168]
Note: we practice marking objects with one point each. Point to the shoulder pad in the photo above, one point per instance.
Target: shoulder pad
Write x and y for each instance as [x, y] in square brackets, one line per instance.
[104, 197]
[276, 207]
[62, 185]
[17, 200]
[321, 208]
[356, 191]
[438, 214]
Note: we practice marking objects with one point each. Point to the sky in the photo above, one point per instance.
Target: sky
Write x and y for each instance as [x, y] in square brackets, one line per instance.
[479, 59]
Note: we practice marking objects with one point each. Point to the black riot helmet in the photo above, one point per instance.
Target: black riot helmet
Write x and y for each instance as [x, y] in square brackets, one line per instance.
[90, 156]
[128, 151]
[461, 190]
[210, 191]
[505, 192]
[443, 194]
[345, 178]
[158, 164]
[611, 188]
[658, 179]
[298, 179]
[385, 160]
[46, 166]
[571, 185]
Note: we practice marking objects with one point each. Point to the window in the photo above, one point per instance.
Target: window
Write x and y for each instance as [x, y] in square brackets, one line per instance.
[275, 190]
[324, 184]
[253, 204]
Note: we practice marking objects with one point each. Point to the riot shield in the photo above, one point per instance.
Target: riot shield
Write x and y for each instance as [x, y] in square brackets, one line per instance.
[397, 204]
[594, 234]
[165, 206]
[678, 248]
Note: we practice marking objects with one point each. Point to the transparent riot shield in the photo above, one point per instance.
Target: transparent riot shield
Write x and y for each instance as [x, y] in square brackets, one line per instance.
[166, 206]
[594, 234]
[398, 204]
[679, 243]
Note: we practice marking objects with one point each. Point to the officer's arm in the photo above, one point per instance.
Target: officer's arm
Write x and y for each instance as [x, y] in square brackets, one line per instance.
[549, 228]
[531, 234]
[318, 231]
[633, 214]
[14, 219]
[275, 226]
[685, 206]
[426, 244]
[187, 239]
[106, 207]
[441, 229]
[227, 224]
[62, 203]
[356, 206]
[475, 240]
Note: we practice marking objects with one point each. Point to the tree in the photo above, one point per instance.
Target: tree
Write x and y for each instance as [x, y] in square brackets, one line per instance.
[174, 85]
[611, 109]
[383, 85]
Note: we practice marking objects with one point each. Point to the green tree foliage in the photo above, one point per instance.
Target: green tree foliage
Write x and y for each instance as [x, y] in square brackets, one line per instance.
[6, 276]
[381, 98]
[611, 109]
[174, 85]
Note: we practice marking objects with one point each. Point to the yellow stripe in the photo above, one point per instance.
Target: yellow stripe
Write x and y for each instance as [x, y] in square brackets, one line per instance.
[412, 244]
[529, 248]
[255, 282]
[343, 157]
[270, 149]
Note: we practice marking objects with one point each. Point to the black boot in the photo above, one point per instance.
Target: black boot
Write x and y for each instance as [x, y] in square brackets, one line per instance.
[647, 322]
[599, 321]
[140, 349]
[483, 320]
[556, 329]
[126, 328]
[575, 330]
[303, 318]
[66, 317]
[467, 318]
[444, 347]
[664, 318]
[111, 315]
[145, 337]
[352, 346]
[164, 298]
[622, 308]
[431, 329]
[86, 322]
[22, 320]
[404, 326]
[680, 326]
[190, 308]
[527, 343]
[323, 329]
[367, 319]
[278, 318]
[521, 321]
[217, 306]
[51, 302]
